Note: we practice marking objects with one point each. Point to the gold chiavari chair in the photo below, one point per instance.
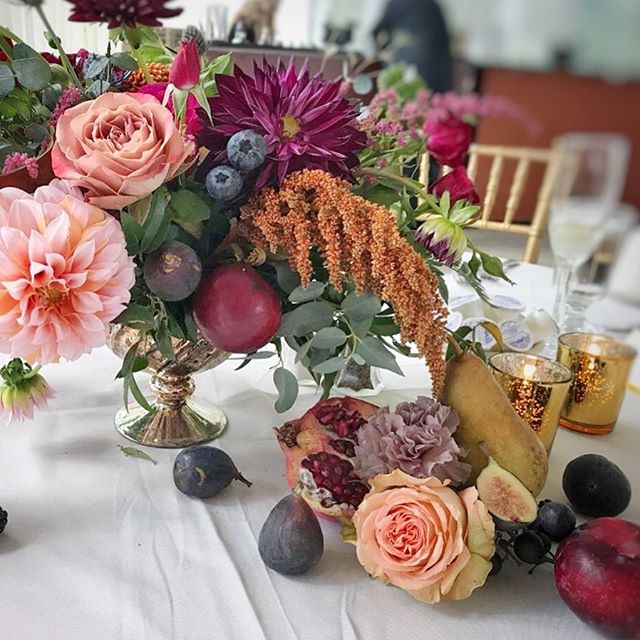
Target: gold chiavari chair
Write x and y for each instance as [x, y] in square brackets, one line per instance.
[511, 184]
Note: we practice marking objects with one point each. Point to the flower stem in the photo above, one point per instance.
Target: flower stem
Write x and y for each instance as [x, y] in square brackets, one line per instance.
[63, 56]
[410, 184]
[142, 63]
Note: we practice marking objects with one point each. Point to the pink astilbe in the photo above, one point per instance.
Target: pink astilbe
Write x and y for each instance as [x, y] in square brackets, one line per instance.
[17, 160]
[64, 273]
[70, 97]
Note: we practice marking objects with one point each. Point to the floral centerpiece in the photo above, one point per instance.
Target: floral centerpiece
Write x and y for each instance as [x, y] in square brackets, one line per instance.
[184, 185]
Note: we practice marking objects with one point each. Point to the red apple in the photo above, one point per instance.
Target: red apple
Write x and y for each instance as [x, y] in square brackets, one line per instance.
[236, 310]
[597, 573]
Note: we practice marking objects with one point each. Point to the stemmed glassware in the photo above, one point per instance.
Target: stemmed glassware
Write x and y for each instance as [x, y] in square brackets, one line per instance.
[589, 186]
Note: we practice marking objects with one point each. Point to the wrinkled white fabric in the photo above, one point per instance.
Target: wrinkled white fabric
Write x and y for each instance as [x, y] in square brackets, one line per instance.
[103, 547]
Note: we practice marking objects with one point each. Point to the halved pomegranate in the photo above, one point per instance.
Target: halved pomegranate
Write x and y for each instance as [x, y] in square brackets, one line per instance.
[318, 449]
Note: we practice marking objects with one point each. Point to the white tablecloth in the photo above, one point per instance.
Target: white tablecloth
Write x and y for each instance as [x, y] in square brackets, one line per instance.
[103, 547]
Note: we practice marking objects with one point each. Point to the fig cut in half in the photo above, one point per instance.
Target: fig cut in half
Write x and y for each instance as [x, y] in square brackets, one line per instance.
[504, 495]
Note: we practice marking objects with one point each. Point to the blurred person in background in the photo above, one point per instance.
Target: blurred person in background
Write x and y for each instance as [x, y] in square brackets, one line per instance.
[416, 33]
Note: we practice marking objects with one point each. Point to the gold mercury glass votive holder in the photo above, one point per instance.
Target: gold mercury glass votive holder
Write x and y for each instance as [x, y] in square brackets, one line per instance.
[601, 367]
[536, 387]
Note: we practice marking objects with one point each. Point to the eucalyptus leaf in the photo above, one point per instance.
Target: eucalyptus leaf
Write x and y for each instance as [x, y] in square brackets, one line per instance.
[306, 318]
[7, 81]
[305, 294]
[287, 278]
[362, 328]
[98, 87]
[329, 338]
[358, 308]
[376, 354]
[133, 452]
[287, 387]
[36, 132]
[384, 326]
[358, 359]
[124, 61]
[22, 51]
[331, 365]
[32, 73]
[302, 351]
[96, 67]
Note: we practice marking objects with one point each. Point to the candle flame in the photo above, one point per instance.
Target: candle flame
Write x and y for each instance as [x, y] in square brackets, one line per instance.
[594, 349]
[529, 370]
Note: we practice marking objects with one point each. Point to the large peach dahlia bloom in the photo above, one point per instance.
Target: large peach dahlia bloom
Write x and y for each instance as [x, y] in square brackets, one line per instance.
[64, 273]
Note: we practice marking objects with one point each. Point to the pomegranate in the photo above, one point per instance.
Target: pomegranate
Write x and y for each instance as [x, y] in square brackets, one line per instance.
[236, 309]
[319, 448]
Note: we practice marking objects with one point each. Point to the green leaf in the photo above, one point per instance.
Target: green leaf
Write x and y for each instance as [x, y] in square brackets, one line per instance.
[132, 232]
[384, 326]
[190, 327]
[139, 210]
[302, 351]
[287, 278]
[137, 394]
[493, 266]
[7, 33]
[156, 226]
[188, 206]
[136, 453]
[36, 132]
[137, 316]
[7, 81]
[390, 77]
[32, 73]
[361, 328]
[358, 359]
[376, 354]
[127, 362]
[306, 318]
[287, 387]
[98, 87]
[381, 194]
[96, 67]
[329, 338]
[124, 61]
[305, 294]
[222, 65]
[327, 384]
[163, 340]
[331, 365]
[358, 308]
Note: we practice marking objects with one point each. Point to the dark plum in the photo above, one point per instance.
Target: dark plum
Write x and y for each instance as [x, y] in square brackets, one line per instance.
[556, 520]
[203, 472]
[173, 272]
[291, 540]
[596, 486]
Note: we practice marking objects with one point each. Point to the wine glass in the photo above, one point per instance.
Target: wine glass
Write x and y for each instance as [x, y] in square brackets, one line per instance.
[591, 177]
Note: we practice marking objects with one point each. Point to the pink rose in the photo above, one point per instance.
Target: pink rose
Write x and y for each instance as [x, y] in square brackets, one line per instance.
[119, 148]
[459, 186]
[448, 140]
[422, 536]
[184, 71]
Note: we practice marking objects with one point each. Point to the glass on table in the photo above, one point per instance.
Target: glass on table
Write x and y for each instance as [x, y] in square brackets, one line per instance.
[588, 188]
[601, 368]
[537, 389]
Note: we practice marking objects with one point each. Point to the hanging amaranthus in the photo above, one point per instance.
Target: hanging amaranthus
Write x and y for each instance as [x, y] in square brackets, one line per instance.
[359, 241]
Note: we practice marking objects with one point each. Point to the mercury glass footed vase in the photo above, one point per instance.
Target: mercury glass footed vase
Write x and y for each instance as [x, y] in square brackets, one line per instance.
[176, 419]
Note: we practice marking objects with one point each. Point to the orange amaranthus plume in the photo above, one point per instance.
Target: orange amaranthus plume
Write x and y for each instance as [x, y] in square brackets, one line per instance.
[358, 240]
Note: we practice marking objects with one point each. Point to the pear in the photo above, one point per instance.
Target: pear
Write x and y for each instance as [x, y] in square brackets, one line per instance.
[489, 422]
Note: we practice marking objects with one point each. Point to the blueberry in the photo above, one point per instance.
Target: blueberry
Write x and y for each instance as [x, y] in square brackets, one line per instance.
[224, 183]
[246, 150]
[556, 520]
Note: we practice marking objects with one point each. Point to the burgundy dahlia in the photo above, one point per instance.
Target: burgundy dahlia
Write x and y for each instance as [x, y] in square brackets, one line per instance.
[305, 120]
[117, 13]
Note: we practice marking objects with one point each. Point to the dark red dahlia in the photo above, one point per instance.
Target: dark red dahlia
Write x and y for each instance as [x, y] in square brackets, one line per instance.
[305, 120]
[117, 13]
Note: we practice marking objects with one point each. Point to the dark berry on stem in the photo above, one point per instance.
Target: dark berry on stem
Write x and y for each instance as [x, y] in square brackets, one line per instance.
[3, 519]
[496, 565]
[224, 183]
[556, 520]
[529, 547]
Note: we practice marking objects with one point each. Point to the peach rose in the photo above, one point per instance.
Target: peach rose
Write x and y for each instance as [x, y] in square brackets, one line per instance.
[422, 536]
[118, 148]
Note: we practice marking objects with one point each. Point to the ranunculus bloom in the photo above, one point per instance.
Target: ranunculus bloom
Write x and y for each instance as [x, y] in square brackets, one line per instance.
[423, 537]
[191, 118]
[64, 273]
[184, 72]
[448, 140]
[459, 186]
[119, 147]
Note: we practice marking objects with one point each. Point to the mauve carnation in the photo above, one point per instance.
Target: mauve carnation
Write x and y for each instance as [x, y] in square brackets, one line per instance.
[417, 439]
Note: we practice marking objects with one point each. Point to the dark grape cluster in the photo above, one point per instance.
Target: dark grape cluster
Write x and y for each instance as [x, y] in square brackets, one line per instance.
[532, 544]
